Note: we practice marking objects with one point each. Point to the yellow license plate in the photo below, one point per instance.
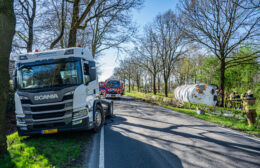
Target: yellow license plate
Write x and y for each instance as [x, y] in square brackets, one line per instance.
[50, 131]
[113, 96]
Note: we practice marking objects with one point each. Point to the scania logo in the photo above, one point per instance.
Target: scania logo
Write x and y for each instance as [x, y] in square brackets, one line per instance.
[46, 97]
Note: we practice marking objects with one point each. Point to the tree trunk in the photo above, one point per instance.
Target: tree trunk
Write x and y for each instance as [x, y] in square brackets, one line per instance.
[73, 28]
[129, 85]
[7, 29]
[159, 83]
[138, 85]
[166, 87]
[31, 22]
[30, 39]
[154, 84]
[222, 80]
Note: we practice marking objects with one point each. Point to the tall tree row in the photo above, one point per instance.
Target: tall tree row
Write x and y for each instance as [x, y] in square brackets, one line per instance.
[227, 33]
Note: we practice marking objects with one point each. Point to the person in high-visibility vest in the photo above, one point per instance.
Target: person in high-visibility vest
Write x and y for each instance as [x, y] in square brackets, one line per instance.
[249, 108]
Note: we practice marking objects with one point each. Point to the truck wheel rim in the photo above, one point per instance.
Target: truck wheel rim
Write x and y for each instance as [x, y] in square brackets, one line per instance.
[98, 118]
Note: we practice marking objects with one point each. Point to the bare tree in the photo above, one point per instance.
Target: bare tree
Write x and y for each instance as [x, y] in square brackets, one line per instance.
[148, 55]
[110, 30]
[61, 22]
[221, 26]
[126, 71]
[136, 70]
[94, 9]
[169, 43]
[26, 12]
[77, 19]
[7, 29]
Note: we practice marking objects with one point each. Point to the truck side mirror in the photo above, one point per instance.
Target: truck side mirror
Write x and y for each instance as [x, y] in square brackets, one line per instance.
[14, 78]
[92, 71]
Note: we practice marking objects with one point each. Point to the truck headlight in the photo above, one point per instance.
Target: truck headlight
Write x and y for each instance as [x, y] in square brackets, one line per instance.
[80, 113]
[69, 93]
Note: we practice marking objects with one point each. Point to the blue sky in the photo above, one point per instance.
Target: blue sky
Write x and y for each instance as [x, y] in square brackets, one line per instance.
[145, 15]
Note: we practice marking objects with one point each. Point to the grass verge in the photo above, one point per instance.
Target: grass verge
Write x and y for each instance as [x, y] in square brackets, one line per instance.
[240, 125]
[57, 150]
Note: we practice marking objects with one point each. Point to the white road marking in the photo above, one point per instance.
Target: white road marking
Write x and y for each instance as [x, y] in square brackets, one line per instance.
[102, 150]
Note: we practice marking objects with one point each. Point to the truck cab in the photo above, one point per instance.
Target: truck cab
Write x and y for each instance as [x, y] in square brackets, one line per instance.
[113, 88]
[57, 91]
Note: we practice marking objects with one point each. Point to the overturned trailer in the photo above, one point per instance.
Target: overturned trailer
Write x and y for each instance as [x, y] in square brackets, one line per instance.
[199, 93]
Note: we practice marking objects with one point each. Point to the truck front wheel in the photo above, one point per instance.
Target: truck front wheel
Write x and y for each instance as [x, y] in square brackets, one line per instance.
[99, 118]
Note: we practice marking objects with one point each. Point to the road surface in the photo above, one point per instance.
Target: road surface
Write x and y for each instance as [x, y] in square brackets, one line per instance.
[141, 135]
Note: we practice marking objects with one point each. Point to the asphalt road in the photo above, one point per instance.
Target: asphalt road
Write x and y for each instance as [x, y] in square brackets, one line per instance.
[141, 135]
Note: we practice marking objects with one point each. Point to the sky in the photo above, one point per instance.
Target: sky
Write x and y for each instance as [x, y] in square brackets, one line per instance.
[150, 9]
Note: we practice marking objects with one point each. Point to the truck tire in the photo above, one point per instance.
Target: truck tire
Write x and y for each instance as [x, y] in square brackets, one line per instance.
[110, 109]
[99, 118]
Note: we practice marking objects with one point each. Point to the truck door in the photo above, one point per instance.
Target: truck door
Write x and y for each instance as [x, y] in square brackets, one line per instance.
[90, 77]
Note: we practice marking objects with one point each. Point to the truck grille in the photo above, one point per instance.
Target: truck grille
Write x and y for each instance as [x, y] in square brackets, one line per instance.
[48, 108]
[48, 115]
[40, 112]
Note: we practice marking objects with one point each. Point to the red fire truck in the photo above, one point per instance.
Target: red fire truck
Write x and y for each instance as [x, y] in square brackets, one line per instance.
[114, 88]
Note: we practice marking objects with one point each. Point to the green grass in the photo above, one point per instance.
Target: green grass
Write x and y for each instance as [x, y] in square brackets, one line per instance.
[240, 125]
[58, 150]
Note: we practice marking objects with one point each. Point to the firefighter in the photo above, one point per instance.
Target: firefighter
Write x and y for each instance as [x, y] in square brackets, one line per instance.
[237, 100]
[249, 108]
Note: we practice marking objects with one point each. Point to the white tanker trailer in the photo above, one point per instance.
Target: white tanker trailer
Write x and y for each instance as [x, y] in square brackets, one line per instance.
[199, 93]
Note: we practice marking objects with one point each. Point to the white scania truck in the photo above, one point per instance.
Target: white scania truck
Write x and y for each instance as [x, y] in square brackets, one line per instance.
[58, 91]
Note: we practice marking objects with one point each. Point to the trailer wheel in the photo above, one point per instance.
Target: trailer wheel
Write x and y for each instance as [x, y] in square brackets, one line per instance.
[99, 118]
[110, 109]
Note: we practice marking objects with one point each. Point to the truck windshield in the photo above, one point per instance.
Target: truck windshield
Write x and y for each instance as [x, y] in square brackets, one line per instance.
[113, 84]
[49, 75]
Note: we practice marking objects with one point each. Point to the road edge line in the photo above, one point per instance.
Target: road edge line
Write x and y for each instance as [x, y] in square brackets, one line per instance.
[101, 150]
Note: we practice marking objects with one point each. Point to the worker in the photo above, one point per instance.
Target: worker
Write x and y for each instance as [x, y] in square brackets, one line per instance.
[249, 108]
[231, 97]
[237, 101]
[226, 99]
[220, 97]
